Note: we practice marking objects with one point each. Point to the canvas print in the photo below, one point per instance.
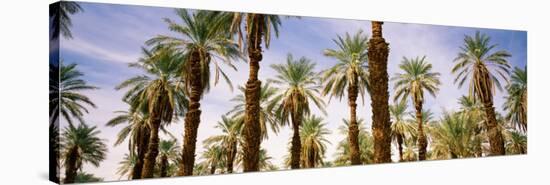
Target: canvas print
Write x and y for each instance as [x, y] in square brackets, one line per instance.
[142, 92]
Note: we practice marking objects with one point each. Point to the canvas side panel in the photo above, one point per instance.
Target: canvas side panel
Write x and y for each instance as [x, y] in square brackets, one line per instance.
[54, 93]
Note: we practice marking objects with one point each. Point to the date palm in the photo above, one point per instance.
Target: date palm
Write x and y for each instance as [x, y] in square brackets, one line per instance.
[349, 76]
[137, 131]
[259, 29]
[267, 115]
[471, 107]
[168, 151]
[229, 139]
[204, 40]
[60, 20]
[453, 136]
[67, 98]
[365, 144]
[299, 86]
[483, 68]
[416, 78]
[127, 166]
[313, 133]
[265, 163]
[400, 128]
[83, 177]
[516, 101]
[517, 143]
[159, 92]
[378, 77]
[81, 144]
[213, 158]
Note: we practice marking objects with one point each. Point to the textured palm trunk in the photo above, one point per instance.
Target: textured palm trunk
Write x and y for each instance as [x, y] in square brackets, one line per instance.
[152, 148]
[142, 149]
[71, 168]
[310, 163]
[163, 165]
[495, 135]
[422, 143]
[192, 117]
[353, 132]
[253, 85]
[400, 146]
[296, 148]
[485, 95]
[378, 81]
[231, 157]
[212, 169]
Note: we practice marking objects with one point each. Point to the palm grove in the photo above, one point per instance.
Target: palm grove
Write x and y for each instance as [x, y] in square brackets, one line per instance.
[178, 71]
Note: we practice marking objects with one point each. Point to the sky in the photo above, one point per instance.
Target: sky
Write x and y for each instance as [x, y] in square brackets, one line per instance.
[107, 37]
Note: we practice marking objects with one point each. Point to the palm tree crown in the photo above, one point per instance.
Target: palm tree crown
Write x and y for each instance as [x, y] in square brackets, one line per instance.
[313, 133]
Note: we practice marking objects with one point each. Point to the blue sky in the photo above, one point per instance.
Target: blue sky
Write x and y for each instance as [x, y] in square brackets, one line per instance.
[108, 37]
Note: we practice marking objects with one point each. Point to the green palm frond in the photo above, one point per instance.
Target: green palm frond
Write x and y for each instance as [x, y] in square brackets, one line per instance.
[83, 138]
[516, 101]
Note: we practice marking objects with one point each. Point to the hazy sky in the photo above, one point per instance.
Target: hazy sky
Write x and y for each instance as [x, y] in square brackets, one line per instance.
[108, 37]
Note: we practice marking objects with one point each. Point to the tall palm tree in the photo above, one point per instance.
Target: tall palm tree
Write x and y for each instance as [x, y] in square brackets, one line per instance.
[168, 151]
[137, 131]
[313, 134]
[258, 28]
[299, 86]
[267, 115]
[477, 63]
[517, 143]
[127, 166]
[378, 77]
[60, 20]
[159, 92]
[81, 144]
[204, 40]
[516, 101]
[365, 144]
[229, 139]
[349, 75]
[416, 78]
[400, 128]
[67, 97]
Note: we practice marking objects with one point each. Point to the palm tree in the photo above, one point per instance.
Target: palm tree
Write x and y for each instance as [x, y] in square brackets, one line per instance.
[159, 92]
[400, 128]
[213, 157]
[350, 72]
[299, 87]
[168, 151]
[267, 115]
[205, 40]
[82, 177]
[517, 143]
[127, 166]
[81, 144]
[471, 107]
[365, 144]
[229, 139]
[516, 101]
[378, 77]
[60, 20]
[137, 131]
[313, 134]
[67, 97]
[476, 62]
[453, 136]
[258, 28]
[409, 154]
[416, 79]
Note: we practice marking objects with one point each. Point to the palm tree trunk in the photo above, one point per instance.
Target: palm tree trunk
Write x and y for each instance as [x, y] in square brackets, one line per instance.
[422, 143]
[231, 157]
[142, 148]
[163, 165]
[311, 159]
[495, 135]
[152, 149]
[400, 146]
[353, 132]
[71, 168]
[378, 81]
[296, 148]
[253, 85]
[54, 152]
[192, 117]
